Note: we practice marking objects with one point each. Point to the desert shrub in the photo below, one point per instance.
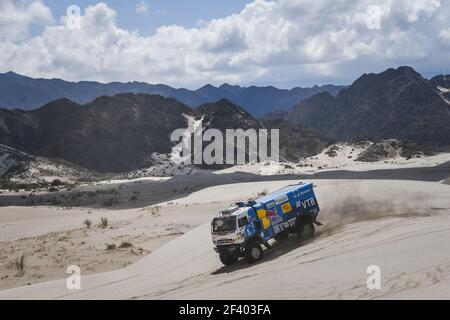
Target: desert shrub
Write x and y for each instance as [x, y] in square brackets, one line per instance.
[87, 223]
[110, 246]
[155, 210]
[103, 222]
[125, 245]
[262, 193]
[20, 265]
[56, 182]
[332, 151]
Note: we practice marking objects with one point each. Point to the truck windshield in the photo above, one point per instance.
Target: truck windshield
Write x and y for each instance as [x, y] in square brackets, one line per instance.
[224, 224]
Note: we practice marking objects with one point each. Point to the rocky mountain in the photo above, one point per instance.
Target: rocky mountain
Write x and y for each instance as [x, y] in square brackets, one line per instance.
[262, 100]
[296, 141]
[224, 114]
[442, 83]
[397, 103]
[275, 115]
[11, 160]
[389, 149]
[110, 134]
[314, 112]
[17, 91]
[20, 168]
[124, 133]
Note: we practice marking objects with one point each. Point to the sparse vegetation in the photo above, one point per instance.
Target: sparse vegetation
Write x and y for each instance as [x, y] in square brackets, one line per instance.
[20, 265]
[262, 193]
[110, 246]
[332, 151]
[103, 222]
[413, 150]
[390, 148]
[87, 223]
[154, 210]
[56, 182]
[125, 245]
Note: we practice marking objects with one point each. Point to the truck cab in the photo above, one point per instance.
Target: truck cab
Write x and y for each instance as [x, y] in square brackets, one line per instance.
[229, 226]
[240, 230]
[231, 230]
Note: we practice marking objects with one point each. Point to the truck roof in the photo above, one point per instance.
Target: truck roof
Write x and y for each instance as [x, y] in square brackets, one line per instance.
[233, 211]
[283, 190]
[236, 211]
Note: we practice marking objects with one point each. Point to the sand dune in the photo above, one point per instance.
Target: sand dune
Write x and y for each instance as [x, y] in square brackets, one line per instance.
[403, 227]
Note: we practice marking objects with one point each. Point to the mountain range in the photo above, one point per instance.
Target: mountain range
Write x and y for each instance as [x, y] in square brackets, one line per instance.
[121, 133]
[109, 134]
[397, 103]
[18, 91]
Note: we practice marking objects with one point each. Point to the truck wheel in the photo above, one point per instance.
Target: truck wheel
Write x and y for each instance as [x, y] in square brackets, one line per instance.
[282, 236]
[305, 230]
[227, 259]
[253, 252]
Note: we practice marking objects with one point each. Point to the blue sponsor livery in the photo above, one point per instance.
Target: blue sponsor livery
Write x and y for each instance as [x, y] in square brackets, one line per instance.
[241, 230]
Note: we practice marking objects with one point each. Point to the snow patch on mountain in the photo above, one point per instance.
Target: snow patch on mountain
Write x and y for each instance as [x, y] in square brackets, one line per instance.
[443, 90]
[444, 93]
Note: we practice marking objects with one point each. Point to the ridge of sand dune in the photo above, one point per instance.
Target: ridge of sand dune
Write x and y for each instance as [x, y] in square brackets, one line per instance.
[52, 238]
[401, 226]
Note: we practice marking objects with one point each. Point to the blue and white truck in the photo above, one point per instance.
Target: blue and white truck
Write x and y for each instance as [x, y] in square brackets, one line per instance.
[240, 231]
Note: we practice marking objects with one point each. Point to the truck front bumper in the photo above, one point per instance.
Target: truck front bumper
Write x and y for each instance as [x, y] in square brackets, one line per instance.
[232, 249]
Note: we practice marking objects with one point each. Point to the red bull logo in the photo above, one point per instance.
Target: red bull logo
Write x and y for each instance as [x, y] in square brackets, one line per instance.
[273, 216]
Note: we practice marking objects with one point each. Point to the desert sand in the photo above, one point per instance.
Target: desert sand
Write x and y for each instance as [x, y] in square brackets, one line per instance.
[401, 226]
[52, 238]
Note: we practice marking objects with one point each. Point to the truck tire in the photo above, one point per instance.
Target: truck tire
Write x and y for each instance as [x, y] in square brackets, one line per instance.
[227, 259]
[253, 252]
[305, 230]
[282, 236]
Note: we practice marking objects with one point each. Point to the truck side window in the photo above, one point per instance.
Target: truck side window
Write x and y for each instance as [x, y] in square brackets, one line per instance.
[243, 221]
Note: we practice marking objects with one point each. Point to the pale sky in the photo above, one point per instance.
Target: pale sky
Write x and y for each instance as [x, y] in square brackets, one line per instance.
[285, 43]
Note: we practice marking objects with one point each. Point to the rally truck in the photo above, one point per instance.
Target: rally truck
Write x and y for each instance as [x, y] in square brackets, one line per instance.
[242, 230]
